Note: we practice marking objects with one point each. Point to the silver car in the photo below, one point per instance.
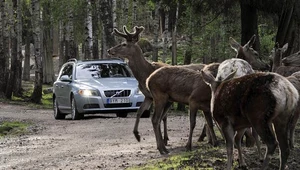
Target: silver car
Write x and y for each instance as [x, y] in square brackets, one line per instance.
[95, 86]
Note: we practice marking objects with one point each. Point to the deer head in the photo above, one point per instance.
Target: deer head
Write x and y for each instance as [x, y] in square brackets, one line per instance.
[247, 53]
[292, 60]
[128, 48]
[276, 55]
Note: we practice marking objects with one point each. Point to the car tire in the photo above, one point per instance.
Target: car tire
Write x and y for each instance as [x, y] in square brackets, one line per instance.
[57, 114]
[122, 114]
[145, 114]
[74, 112]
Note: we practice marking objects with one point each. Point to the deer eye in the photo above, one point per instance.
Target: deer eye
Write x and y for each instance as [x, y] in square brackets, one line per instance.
[124, 44]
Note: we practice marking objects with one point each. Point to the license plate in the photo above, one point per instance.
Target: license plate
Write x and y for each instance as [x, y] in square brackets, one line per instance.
[118, 100]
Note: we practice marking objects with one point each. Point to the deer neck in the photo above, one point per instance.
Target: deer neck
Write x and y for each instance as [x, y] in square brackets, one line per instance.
[140, 67]
[276, 61]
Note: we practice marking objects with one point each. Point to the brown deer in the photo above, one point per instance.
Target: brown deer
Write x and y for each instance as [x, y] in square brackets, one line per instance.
[247, 53]
[277, 67]
[295, 80]
[292, 74]
[141, 69]
[178, 84]
[258, 100]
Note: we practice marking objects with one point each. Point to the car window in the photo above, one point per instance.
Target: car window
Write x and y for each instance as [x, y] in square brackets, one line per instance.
[101, 70]
[67, 70]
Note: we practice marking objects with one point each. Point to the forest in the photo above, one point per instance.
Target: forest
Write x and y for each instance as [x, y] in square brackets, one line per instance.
[34, 32]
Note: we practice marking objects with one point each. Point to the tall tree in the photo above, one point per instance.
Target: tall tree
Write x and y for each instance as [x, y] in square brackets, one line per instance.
[14, 80]
[156, 30]
[286, 28]
[249, 23]
[95, 23]
[27, 34]
[174, 35]
[106, 15]
[48, 71]
[36, 95]
[3, 56]
[89, 31]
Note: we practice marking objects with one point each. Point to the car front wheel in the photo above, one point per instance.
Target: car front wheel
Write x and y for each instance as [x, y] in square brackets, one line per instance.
[75, 114]
[57, 114]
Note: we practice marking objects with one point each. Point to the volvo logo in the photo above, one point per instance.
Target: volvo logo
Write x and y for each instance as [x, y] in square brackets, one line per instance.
[117, 93]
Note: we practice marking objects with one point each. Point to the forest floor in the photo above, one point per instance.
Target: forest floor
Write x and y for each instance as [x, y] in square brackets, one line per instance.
[104, 141]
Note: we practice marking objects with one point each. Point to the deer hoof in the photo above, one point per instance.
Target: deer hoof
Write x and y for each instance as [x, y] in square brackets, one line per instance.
[137, 136]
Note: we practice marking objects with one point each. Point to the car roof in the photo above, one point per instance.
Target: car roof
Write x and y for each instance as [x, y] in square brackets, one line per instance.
[111, 60]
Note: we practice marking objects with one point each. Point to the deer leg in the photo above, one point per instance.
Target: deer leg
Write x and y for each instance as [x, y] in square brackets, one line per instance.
[193, 114]
[203, 133]
[249, 138]
[238, 138]
[257, 142]
[210, 127]
[265, 131]
[282, 130]
[228, 135]
[144, 106]
[166, 137]
[293, 126]
[156, 120]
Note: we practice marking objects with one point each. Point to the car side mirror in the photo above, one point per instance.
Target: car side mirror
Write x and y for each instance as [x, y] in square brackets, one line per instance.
[65, 78]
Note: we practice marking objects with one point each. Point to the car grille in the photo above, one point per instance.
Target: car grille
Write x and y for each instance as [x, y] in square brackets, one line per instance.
[118, 105]
[117, 93]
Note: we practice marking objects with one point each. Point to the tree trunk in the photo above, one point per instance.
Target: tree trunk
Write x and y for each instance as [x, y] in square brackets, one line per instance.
[89, 31]
[26, 72]
[48, 71]
[18, 82]
[156, 32]
[12, 80]
[36, 95]
[3, 52]
[106, 14]
[95, 20]
[286, 26]
[249, 24]
[174, 39]
[62, 44]
[27, 37]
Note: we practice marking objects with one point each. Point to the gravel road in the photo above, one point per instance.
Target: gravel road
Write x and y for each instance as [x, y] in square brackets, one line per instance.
[101, 141]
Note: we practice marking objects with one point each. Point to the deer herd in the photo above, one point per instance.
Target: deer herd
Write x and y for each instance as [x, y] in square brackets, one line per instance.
[238, 94]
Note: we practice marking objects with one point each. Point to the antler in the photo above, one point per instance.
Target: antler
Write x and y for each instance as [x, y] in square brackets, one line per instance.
[130, 37]
[252, 40]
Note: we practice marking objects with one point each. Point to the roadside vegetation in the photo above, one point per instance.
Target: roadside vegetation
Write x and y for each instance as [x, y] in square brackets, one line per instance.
[13, 128]
[27, 86]
[205, 156]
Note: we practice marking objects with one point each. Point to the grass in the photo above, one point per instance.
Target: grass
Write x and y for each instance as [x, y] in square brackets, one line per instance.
[13, 128]
[207, 157]
[28, 87]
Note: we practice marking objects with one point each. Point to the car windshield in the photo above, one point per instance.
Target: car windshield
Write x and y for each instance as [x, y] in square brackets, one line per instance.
[102, 70]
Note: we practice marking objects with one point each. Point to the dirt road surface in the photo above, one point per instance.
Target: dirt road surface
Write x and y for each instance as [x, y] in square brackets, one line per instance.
[100, 141]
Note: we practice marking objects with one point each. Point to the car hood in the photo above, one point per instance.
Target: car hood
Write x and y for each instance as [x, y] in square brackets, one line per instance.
[109, 83]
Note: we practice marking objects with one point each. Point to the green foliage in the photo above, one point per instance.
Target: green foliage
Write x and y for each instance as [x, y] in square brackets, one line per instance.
[24, 99]
[13, 128]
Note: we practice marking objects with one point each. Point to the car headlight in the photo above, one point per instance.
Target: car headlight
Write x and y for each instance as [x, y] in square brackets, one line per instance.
[87, 92]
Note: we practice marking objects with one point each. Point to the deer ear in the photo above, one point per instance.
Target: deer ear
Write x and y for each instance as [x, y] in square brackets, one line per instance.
[285, 47]
[234, 44]
[231, 75]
